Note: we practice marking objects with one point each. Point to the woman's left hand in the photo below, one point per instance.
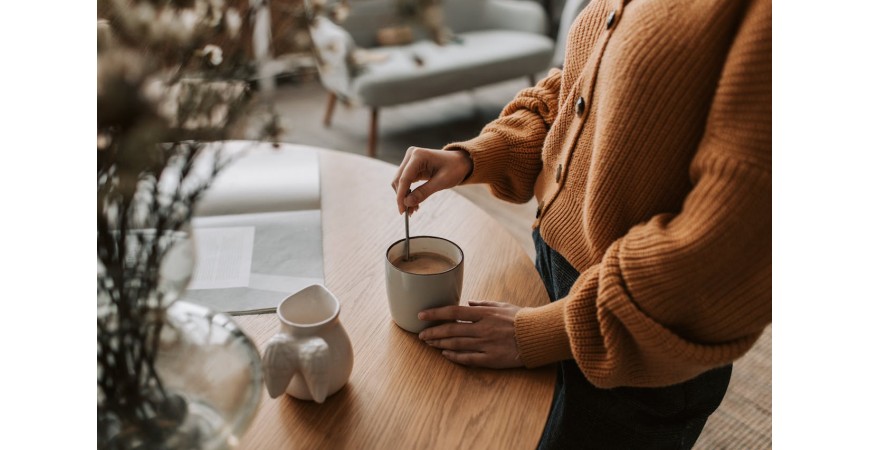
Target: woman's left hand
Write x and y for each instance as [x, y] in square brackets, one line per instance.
[480, 335]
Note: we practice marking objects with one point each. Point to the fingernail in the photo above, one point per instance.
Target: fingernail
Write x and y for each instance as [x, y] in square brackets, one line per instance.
[421, 316]
[415, 198]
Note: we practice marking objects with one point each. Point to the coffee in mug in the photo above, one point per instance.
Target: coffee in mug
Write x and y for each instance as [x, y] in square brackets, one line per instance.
[424, 263]
[430, 278]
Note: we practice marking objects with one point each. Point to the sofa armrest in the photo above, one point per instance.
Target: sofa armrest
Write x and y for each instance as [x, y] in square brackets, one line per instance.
[516, 15]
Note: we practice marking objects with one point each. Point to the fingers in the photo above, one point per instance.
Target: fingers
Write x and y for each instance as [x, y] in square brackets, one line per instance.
[466, 313]
[402, 167]
[473, 359]
[493, 304]
[449, 330]
[440, 169]
[482, 334]
[455, 339]
[399, 187]
[462, 344]
[418, 164]
[422, 192]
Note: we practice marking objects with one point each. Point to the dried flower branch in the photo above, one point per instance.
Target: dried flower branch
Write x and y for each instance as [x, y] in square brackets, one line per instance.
[172, 77]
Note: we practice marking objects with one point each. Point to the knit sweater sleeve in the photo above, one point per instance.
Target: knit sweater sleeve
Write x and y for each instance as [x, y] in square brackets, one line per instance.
[686, 292]
[507, 153]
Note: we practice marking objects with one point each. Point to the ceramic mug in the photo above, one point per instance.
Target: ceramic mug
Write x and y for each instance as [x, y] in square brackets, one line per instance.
[431, 279]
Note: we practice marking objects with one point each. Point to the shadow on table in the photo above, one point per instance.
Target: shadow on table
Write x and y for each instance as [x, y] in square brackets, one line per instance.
[332, 431]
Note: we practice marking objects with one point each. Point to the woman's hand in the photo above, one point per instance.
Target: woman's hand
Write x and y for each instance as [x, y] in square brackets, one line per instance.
[484, 335]
[442, 169]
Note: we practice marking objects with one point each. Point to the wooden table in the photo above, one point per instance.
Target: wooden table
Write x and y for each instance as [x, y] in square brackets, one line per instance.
[403, 394]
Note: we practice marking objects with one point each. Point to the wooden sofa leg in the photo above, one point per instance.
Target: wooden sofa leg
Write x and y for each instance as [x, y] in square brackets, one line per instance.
[373, 133]
[330, 107]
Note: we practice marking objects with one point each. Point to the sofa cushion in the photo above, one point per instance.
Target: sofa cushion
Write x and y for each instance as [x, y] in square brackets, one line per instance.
[424, 69]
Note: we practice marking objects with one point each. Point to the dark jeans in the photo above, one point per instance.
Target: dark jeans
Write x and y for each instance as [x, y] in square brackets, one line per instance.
[586, 417]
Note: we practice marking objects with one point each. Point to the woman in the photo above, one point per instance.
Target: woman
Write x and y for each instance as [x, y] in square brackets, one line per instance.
[650, 156]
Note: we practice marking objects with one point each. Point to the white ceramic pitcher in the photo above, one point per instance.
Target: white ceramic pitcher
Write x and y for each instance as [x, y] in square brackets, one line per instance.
[310, 358]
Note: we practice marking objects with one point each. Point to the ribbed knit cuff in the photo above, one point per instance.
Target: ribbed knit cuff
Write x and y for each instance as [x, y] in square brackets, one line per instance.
[487, 155]
[541, 335]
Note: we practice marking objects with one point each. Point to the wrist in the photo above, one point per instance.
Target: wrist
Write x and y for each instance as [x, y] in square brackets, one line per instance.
[541, 335]
[468, 162]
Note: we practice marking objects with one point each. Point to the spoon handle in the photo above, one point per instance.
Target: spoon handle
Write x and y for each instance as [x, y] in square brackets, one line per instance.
[407, 235]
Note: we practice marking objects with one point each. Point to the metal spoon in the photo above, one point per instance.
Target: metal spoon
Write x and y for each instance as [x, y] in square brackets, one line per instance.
[407, 234]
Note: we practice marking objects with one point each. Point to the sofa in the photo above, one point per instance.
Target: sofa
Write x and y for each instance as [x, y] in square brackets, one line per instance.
[491, 41]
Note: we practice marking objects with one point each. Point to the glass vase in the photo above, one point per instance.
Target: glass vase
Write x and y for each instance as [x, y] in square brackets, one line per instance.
[171, 374]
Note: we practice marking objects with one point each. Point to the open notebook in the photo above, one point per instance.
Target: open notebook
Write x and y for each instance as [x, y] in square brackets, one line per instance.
[257, 230]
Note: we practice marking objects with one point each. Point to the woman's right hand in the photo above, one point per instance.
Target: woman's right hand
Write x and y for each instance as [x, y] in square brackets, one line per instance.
[443, 169]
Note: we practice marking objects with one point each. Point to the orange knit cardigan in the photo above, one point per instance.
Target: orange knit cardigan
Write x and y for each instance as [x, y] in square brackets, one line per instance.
[650, 156]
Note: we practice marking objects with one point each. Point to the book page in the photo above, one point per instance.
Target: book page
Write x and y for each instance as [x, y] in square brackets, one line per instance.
[286, 257]
[223, 257]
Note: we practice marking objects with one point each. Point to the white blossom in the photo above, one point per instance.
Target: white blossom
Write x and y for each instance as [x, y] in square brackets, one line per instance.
[217, 8]
[187, 20]
[234, 22]
[214, 54]
[145, 13]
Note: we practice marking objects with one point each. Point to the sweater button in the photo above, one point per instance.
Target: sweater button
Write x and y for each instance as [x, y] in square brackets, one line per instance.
[559, 173]
[538, 212]
[611, 18]
[580, 106]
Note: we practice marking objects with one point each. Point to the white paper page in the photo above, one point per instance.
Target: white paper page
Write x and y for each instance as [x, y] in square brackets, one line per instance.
[223, 257]
[287, 257]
